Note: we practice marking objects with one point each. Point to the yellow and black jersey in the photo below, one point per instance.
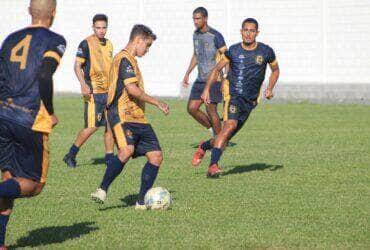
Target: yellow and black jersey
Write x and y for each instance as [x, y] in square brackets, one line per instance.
[21, 56]
[96, 57]
[122, 106]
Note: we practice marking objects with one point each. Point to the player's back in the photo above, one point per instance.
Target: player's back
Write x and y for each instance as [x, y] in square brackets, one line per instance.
[21, 55]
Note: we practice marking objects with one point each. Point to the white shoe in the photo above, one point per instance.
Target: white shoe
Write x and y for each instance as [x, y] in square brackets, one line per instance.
[140, 207]
[99, 195]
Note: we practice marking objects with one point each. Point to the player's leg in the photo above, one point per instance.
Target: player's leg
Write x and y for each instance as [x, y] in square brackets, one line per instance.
[148, 145]
[93, 115]
[194, 104]
[108, 143]
[115, 164]
[219, 144]
[216, 98]
[6, 206]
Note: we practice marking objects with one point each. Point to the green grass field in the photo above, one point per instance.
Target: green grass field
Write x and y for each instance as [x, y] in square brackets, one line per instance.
[299, 177]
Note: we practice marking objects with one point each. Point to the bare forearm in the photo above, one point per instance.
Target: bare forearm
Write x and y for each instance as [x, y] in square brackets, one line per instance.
[273, 79]
[192, 65]
[142, 96]
[79, 74]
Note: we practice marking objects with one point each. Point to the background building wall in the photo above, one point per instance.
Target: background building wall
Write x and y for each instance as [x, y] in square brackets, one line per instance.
[323, 44]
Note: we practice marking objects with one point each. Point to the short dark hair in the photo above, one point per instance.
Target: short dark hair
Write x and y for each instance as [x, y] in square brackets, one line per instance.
[143, 31]
[250, 20]
[100, 17]
[201, 10]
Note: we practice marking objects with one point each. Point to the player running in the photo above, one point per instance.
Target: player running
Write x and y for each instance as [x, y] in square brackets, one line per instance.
[93, 60]
[126, 115]
[28, 60]
[248, 61]
[209, 47]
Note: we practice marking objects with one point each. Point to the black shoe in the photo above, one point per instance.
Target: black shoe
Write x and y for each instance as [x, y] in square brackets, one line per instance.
[70, 161]
[231, 144]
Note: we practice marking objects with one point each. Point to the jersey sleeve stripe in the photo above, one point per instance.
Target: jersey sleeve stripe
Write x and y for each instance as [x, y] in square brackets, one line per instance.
[52, 54]
[273, 63]
[80, 59]
[130, 80]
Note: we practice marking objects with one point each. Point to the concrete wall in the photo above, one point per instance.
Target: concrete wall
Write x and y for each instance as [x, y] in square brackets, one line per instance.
[318, 42]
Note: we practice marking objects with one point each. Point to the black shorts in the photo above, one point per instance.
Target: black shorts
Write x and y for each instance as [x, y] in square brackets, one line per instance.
[94, 110]
[140, 135]
[23, 152]
[215, 92]
[238, 108]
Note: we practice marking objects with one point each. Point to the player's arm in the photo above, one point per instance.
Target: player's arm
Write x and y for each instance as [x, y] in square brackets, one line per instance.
[274, 76]
[47, 69]
[193, 63]
[212, 78]
[138, 93]
[81, 57]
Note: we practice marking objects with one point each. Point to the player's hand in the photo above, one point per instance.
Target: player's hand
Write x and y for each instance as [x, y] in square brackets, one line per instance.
[268, 94]
[85, 90]
[164, 107]
[54, 120]
[185, 81]
[205, 97]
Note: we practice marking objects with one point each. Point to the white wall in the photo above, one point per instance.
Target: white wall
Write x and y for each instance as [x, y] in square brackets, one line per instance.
[316, 41]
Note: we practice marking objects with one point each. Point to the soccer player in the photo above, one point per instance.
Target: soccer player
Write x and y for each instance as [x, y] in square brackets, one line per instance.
[248, 61]
[93, 60]
[28, 60]
[209, 47]
[126, 115]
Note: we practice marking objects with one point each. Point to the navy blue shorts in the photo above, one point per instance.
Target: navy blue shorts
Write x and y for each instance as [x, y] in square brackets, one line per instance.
[23, 152]
[238, 108]
[215, 92]
[94, 110]
[140, 135]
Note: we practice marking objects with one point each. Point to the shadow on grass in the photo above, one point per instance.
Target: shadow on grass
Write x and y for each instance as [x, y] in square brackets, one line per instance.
[128, 201]
[55, 234]
[252, 167]
[94, 161]
[230, 144]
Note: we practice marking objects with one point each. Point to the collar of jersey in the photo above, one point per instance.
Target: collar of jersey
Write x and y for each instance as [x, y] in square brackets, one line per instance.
[243, 46]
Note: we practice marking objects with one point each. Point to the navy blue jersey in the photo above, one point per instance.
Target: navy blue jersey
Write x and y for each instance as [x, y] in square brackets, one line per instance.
[21, 55]
[248, 68]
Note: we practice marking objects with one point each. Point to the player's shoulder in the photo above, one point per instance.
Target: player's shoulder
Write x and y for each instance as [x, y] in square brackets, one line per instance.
[263, 46]
[213, 31]
[235, 47]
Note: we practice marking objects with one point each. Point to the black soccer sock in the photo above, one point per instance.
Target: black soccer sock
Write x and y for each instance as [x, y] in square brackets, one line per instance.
[215, 155]
[206, 145]
[74, 150]
[108, 157]
[10, 189]
[114, 168]
[148, 176]
[3, 222]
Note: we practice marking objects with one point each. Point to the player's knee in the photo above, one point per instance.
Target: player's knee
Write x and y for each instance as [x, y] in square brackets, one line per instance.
[125, 154]
[156, 158]
[6, 206]
[38, 188]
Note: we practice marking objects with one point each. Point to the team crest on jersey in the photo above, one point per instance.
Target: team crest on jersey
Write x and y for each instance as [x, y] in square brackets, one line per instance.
[259, 60]
[232, 109]
[128, 133]
[99, 117]
[129, 69]
[61, 48]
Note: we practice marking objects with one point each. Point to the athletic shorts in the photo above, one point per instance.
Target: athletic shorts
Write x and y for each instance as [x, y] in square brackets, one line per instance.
[140, 135]
[94, 110]
[23, 152]
[238, 108]
[215, 92]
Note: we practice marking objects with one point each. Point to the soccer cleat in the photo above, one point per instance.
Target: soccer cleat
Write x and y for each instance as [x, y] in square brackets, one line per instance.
[140, 207]
[198, 156]
[99, 195]
[214, 171]
[70, 160]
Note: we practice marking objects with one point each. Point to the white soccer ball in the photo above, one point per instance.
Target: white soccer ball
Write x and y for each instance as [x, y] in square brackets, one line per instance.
[158, 198]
